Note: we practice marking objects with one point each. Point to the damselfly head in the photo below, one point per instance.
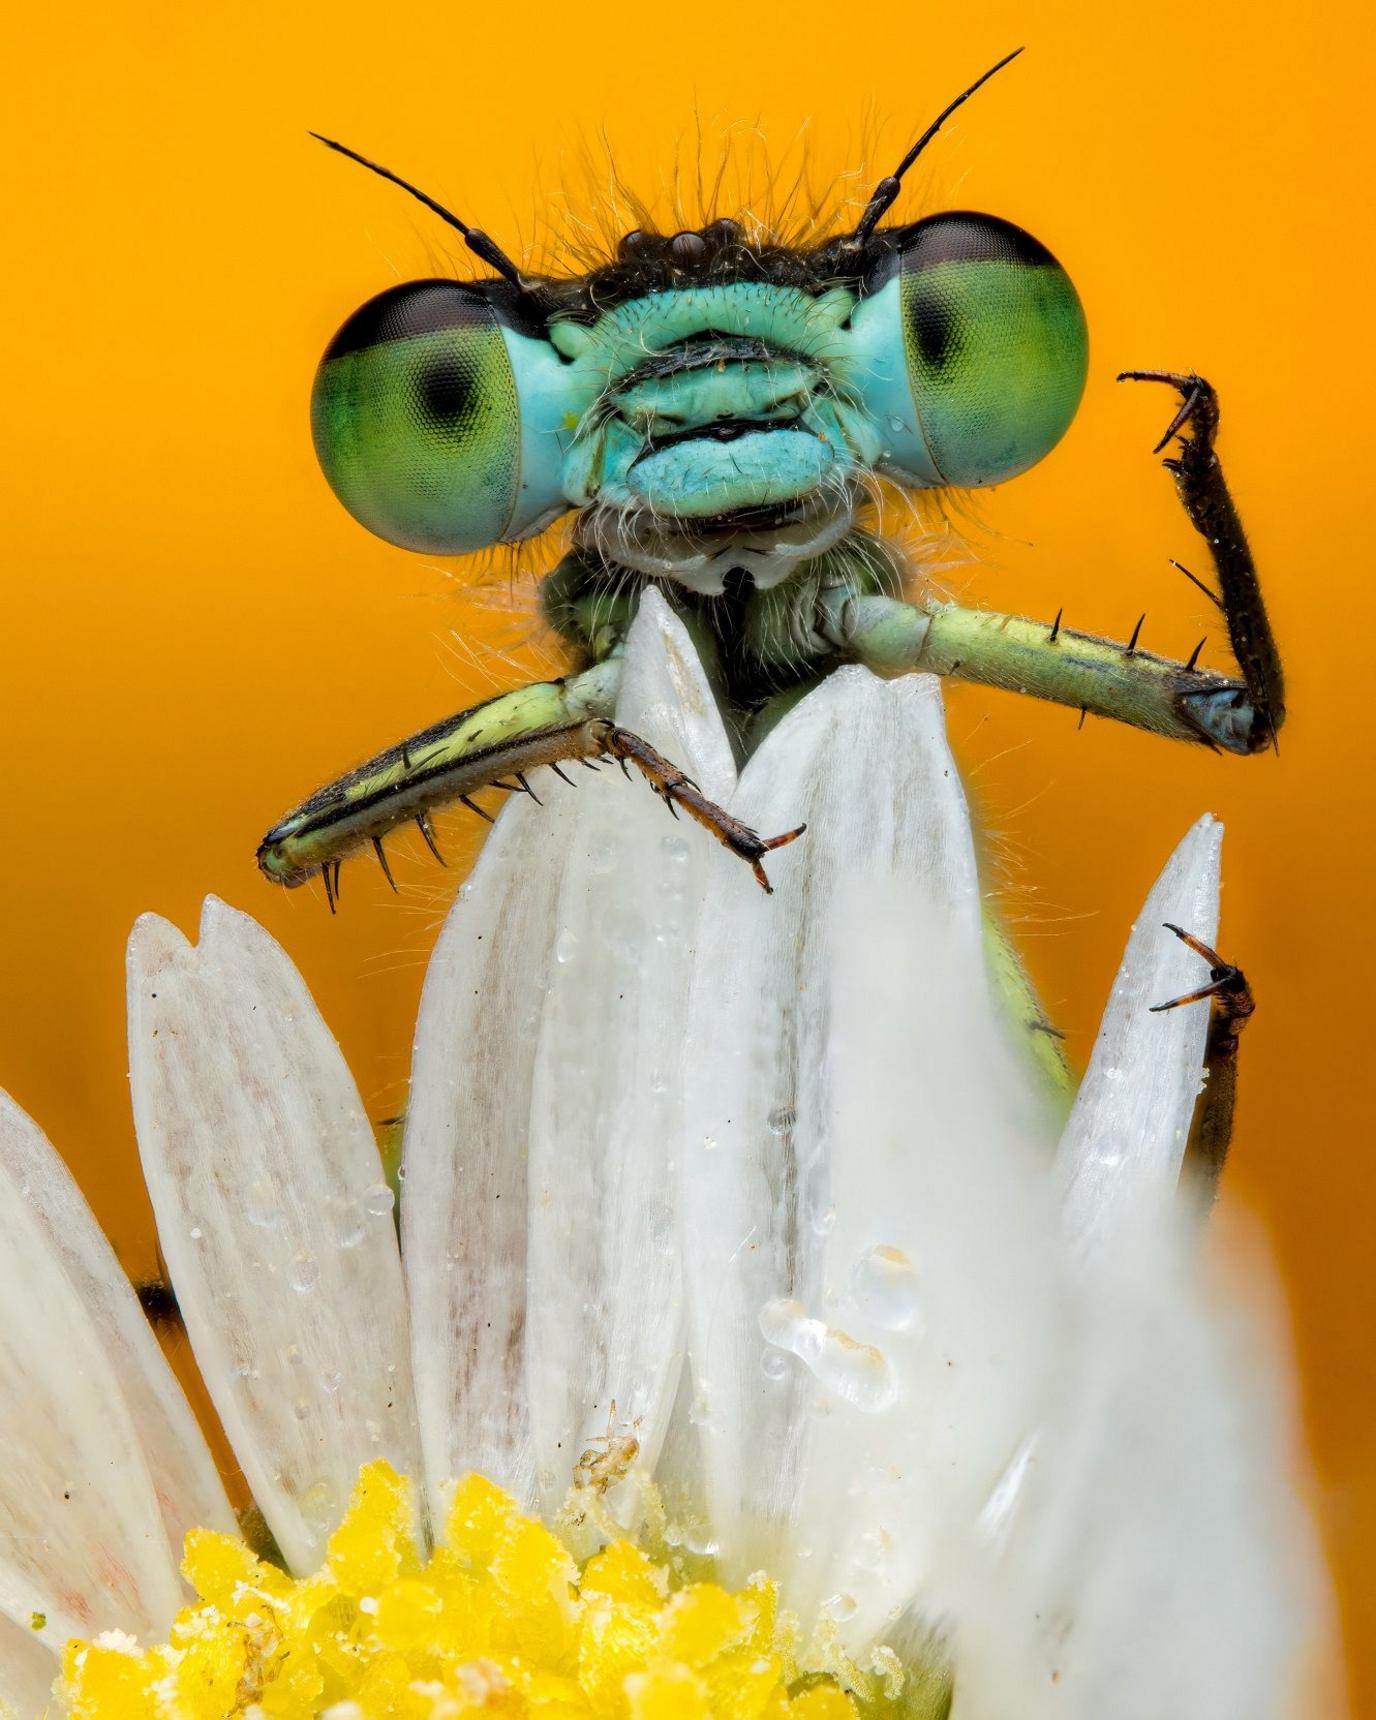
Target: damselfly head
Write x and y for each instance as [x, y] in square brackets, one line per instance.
[705, 402]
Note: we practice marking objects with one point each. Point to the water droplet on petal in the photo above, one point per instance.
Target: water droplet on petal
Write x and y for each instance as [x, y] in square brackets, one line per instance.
[699, 1411]
[303, 1274]
[884, 1285]
[320, 1504]
[261, 1208]
[378, 1200]
[872, 1554]
[566, 945]
[676, 847]
[301, 1409]
[858, 1373]
[781, 1119]
[349, 1228]
[775, 1365]
[331, 1379]
[840, 1607]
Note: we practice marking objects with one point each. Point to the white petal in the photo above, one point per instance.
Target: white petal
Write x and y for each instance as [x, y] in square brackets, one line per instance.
[603, 1274]
[179, 1460]
[545, 1028]
[273, 1218]
[1126, 1135]
[1159, 1561]
[853, 1088]
[81, 1535]
[464, 1197]
[27, 1671]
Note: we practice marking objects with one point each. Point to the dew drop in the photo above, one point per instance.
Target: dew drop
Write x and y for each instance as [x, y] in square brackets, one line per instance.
[320, 1503]
[602, 857]
[774, 1364]
[566, 945]
[301, 1409]
[884, 1285]
[676, 847]
[781, 1119]
[331, 1379]
[349, 1228]
[840, 1607]
[196, 1233]
[896, 424]
[699, 1411]
[823, 1220]
[659, 1082]
[260, 1207]
[872, 1554]
[378, 1200]
[858, 1373]
[465, 892]
[293, 1354]
[698, 1539]
[303, 1274]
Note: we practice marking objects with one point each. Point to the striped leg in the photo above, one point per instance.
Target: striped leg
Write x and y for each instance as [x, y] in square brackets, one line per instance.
[492, 745]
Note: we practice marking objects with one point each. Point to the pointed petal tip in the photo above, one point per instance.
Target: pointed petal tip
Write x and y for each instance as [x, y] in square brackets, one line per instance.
[220, 923]
[153, 941]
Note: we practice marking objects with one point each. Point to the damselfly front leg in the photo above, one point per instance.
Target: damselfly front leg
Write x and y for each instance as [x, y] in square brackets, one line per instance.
[492, 745]
[1231, 1006]
[1104, 677]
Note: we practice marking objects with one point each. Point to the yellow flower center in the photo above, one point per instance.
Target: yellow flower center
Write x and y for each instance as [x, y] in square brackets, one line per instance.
[500, 1617]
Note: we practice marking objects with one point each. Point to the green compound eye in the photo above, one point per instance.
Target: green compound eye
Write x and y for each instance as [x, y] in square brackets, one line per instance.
[416, 422]
[995, 346]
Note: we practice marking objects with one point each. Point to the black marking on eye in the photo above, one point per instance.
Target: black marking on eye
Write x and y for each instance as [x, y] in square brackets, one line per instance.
[964, 237]
[417, 307]
[445, 393]
[934, 328]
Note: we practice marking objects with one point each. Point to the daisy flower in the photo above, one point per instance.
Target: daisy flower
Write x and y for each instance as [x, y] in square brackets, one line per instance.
[762, 1334]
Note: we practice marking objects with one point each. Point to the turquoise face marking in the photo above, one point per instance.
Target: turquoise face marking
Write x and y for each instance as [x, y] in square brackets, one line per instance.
[707, 418]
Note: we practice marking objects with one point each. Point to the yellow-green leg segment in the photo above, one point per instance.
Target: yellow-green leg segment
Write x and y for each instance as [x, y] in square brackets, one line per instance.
[492, 745]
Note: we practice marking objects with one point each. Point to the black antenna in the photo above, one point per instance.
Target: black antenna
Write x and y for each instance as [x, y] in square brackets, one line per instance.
[477, 241]
[887, 189]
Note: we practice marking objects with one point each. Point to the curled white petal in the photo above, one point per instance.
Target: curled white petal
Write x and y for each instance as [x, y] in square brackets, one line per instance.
[603, 1275]
[849, 1079]
[1126, 1135]
[182, 1469]
[273, 1216]
[538, 1216]
[82, 1539]
[1158, 1560]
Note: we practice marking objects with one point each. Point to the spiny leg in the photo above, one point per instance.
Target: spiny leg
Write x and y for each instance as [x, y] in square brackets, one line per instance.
[491, 745]
[1046, 660]
[1230, 1008]
[675, 789]
[1120, 680]
[1209, 505]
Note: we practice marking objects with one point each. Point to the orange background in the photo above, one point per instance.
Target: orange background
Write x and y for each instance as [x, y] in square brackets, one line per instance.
[195, 634]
